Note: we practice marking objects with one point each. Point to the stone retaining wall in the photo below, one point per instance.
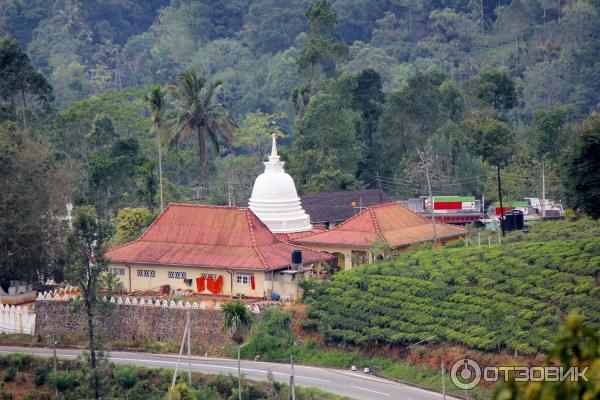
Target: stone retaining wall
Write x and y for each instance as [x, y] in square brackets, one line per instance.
[133, 323]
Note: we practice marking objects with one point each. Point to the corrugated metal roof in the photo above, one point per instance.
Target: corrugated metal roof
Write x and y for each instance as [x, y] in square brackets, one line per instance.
[210, 236]
[337, 206]
[393, 223]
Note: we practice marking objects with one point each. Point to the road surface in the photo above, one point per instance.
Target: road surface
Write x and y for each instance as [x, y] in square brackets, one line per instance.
[355, 385]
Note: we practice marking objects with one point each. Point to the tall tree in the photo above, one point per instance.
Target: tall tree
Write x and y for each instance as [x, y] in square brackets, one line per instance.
[496, 88]
[34, 190]
[85, 246]
[156, 104]
[323, 51]
[548, 136]
[198, 112]
[19, 78]
[495, 142]
[581, 172]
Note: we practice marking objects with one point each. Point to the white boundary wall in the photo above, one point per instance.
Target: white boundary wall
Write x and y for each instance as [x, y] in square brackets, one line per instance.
[17, 320]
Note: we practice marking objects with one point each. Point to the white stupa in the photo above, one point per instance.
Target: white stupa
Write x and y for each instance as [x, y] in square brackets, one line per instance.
[274, 198]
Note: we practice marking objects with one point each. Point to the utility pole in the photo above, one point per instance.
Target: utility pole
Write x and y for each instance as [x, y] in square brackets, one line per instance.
[443, 380]
[378, 180]
[239, 375]
[189, 346]
[501, 206]
[292, 383]
[55, 362]
[185, 332]
[543, 188]
[426, 164]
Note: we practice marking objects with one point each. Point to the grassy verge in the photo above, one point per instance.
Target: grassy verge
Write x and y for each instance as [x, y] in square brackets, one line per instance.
[28, 377]
[273, 340]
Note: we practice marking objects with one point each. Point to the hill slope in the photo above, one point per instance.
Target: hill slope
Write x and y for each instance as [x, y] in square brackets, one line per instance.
[487, 298]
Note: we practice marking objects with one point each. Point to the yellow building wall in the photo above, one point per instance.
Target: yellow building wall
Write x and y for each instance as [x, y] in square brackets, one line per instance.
[128, 275]
[345, 253]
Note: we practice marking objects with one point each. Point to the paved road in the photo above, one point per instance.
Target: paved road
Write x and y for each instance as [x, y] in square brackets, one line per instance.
[355, 385]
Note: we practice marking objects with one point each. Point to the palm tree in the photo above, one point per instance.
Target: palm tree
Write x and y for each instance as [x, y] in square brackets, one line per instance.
[236, 319]
[196, 111]
[71, 18]
[155, 102]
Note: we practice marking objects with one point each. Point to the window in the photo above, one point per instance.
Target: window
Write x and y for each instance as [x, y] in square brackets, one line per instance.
[243, 279]
[146, 273]
[117, 271]
[205, 276]
[176, 275]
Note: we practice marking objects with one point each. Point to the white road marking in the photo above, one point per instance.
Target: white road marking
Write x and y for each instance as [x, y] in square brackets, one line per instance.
[214, 366]
[369, 390]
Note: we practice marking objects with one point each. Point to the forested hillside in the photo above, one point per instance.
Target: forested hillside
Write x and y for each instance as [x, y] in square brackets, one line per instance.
[355, 89]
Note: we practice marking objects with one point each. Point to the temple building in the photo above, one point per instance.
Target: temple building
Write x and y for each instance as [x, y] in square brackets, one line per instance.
[378, 232]
[212, 250]
[267, 248]
[275, 201]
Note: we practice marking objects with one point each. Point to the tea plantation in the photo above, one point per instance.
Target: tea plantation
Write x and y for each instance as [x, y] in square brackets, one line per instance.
[488, 298]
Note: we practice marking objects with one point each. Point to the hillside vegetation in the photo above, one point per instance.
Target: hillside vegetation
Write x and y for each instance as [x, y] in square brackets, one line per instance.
[28, 377]
[359, 91]
[509, 297]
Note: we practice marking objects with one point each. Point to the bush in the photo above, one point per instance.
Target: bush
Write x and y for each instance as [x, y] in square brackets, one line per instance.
[309, 325]
[40, 376]
[20, 360]
[126, 376]
[64, 380]
[273, 338]
[142, 390]
[207, 393]
[10, 374]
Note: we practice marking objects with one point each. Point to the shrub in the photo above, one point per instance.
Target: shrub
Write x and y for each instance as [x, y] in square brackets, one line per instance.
[20, 360]
[40, 376]
[64, 380]
[126, 376]
[273, 337]
[10, 374]
[309, 325]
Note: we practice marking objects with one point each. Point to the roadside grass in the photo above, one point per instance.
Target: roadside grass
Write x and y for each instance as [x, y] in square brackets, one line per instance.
[30, 377]
[274, 340]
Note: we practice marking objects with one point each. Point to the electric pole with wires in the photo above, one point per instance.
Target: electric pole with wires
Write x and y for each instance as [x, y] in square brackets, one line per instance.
[426, 164]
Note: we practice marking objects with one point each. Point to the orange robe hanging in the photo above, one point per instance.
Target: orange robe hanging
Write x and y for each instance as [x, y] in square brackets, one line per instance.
[200, 284]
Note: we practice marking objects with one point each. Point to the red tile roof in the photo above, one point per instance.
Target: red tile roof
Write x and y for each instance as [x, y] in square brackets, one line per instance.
[210, 236]
[394, 224]
[287, 237]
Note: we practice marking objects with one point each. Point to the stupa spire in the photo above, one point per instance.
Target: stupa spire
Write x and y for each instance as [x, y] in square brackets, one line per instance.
[274, 146]
[274, 198]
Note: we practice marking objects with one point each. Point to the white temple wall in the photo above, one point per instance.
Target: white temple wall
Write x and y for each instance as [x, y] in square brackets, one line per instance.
[17, 320]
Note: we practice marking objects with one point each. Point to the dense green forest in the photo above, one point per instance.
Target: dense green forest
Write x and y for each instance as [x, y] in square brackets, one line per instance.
[99, 98]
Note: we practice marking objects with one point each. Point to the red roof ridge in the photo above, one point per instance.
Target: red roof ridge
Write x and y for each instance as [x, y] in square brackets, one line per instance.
[374, 219]
[206, 206]
[382, 205]
[253, 238]
[376, 222]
